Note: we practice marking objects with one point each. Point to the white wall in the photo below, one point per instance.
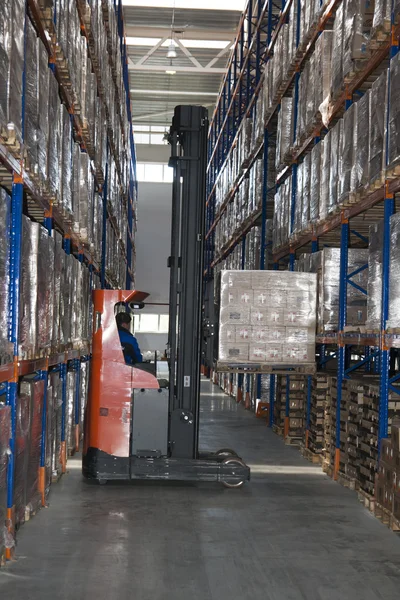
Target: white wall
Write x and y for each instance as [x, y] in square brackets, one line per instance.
[153, 246]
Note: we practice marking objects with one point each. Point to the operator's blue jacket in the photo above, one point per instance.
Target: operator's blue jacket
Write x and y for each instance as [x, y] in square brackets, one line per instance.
[130, 347]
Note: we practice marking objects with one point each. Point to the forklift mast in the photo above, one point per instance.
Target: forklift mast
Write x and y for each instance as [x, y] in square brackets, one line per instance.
[188, 139]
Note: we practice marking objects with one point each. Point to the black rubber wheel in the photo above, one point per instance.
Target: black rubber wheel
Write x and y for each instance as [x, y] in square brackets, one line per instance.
[102, 481]
[237, 461]
[226, 452]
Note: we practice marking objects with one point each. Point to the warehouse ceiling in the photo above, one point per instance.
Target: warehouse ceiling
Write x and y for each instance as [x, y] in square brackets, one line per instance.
[202, 33]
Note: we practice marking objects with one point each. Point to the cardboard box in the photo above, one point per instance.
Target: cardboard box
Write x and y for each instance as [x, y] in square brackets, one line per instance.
[234, 352]
[258, 352]
[232, 315]
[243, 333]
[227, 333]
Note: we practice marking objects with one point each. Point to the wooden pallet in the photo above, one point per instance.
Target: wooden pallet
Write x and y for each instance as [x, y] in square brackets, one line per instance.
[367, 500]
[311, 456]
[278, 430]
[291, 440]
[278, 369]
[347, 481]
[386, 517]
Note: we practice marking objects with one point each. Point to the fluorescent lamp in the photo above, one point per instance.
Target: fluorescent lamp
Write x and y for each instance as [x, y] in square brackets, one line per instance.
[142, 41]
[170, 72]
[149, 41]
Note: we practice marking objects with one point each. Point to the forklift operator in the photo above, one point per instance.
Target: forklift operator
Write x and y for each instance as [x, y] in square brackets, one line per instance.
[130, 346]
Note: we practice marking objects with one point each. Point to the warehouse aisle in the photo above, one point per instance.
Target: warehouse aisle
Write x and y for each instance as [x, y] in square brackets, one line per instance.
[291, 534]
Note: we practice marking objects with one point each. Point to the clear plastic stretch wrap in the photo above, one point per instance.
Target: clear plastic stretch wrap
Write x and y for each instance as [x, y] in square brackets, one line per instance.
[5, 435]
[45, 289]
[299, 200]
[53, 141]
[56, 386]
[378, 127]
[323, 67]
[315, 181]
[67, 300]
[70, 417]
[265, 388]
[66, 170]
[59, 255]
[22, 446]
[382, 16]
[5, 49]
[325, 176]
[5, 221]
[337, 51]
[356, 33]
[267, 317]
[28, 336]
[84, 386]
[374, 299]
[305, 203]
[328, 289]
[31, 96]
[394, 275]
[394, 111]
[346, 152]
[43, 108]
[335, 137]
[50, 433]
[34, 390]
[15, 81]
[360, 175]
[284, 131]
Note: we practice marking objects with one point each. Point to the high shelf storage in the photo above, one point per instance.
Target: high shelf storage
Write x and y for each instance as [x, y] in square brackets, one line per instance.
[68, 195]
[305, 133]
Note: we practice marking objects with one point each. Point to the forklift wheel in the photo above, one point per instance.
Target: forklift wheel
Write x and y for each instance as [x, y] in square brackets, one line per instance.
[226, 452]
[102, 481]
[237, 461]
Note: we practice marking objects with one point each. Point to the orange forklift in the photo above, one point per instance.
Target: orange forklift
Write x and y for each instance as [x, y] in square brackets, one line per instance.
[138, 426]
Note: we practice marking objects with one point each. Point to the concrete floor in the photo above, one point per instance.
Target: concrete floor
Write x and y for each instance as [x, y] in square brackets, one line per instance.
[290, 534]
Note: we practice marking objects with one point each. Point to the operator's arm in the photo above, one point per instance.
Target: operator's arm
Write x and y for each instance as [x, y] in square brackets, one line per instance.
[138, 354]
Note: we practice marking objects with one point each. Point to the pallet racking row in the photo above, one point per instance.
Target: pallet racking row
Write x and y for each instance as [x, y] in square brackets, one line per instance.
[349, 349]
[68, 38]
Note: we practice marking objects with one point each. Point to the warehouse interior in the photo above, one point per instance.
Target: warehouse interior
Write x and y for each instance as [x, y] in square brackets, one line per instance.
[199, 299]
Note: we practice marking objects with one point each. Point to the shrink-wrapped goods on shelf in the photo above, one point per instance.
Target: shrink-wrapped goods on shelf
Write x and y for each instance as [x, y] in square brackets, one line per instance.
[323, 68]
[54, 141]
[6, 349]
[394, 111]
[346, 152]
[374, 298]
[22, 446]
[5, 49]
[45, 289]
[59, 269]
[273, 315]
[28, 335]
[5, 435]
[66, 300]
[34, 390]
[292, 31]
[305, 202]
[15, 81]
[394, 273]
[84, 386]
[56, 385]
[382, 17]
[43, 109]
[298, 207]
[337, 51]
[284, 130]
[70, 416]
[360, 174]
[66, 159]
[328, 289]
[358, 16]
[50, 432]
[258, 127]
[335, 137]
[76, 157]
[315, 181]
[378, 128]
[31, 97]
[245, 141]
[325, 176]
[83, 191]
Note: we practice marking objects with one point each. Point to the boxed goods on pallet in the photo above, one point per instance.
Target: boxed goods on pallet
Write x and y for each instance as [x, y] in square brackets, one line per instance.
[394, 112]
[5, 216]
[267, 317]
[56, 420]
[5, 435]
[319, 399]
[382, 17]
[335, 140]
[360, 173]
[374, 297]
[70, 416]
[290, 404]
[346, 152]
[284, 131]
[394, 273]
[23, 425]
[378, 128]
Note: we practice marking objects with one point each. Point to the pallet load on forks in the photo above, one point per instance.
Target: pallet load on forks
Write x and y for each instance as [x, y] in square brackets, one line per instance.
[136, 426]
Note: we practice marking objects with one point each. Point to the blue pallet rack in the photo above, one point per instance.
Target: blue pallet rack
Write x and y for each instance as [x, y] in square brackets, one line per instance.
[236, 101]
[18, 181]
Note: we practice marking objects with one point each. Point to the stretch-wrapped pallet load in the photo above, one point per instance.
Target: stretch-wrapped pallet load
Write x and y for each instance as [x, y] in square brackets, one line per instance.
[22, 446]
[360, 174]
[382, 17]
[70, 418]
[378, 128]
[5, 222]
[28, 337]
[315, 181]
[5, 435]
[45, 289]
[374, 298]
[337, 54]
[56, 385]
[31, 97]
[346, 153]
[394, 273]
[5, 49]
[394, 112]
[267, 317]
[328, 288]
[284, 131]
[43, 109]
[325, 176]
[323, 68]
[335, 140]
[34, 390]
[358, 16]
[15, 78]
[54, 139]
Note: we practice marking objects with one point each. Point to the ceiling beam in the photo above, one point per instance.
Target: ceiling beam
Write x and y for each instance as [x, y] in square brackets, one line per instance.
[219, 55]
[172, 93]
[187, 53]
[163, 68]
[189, 32]
[151, 51]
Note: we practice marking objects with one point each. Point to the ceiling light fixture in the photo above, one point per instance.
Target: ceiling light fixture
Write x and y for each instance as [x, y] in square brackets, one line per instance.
[171, 50]
[170, 70]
